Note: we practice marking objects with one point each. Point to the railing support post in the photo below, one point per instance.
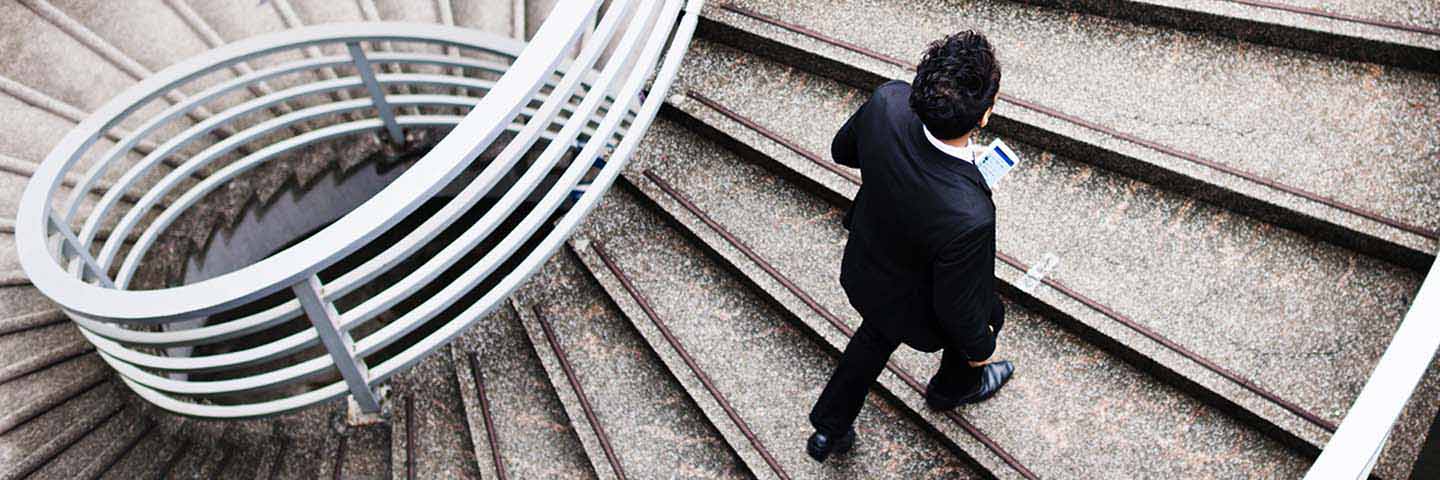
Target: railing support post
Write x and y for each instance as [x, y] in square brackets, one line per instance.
[341, 347]
[69, 240]
[377, 95]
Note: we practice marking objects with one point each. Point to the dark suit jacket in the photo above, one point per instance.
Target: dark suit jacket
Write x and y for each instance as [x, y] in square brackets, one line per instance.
[920, 260]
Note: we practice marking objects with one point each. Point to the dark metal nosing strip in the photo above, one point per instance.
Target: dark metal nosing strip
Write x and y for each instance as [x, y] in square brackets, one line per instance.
[336, 473]
[1177, 348]
[835, 321]
[125, 451]
[1097, 306]
[409, 437]
[1156, 146]
[675, 344]
[585, 405]
[490, 434]
[1340, 16]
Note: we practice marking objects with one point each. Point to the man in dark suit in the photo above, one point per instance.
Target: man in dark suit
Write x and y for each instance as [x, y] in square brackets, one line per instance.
[919, 264]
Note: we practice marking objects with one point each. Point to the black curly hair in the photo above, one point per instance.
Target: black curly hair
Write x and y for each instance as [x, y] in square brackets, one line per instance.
[955, 84]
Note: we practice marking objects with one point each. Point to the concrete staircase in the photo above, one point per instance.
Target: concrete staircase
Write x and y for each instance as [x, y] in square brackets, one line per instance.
[1243, 199]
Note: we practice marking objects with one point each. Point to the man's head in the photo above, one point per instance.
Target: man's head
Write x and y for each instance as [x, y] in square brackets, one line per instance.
[956, 85]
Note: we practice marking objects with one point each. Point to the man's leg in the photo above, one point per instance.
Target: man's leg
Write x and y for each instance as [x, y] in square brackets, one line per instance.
[844, 394]
[955, 378]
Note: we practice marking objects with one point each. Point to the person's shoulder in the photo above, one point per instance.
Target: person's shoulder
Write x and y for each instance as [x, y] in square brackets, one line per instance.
[893, 91]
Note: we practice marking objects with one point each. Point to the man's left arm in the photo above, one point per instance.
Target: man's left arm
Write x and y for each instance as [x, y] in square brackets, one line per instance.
[965, 301]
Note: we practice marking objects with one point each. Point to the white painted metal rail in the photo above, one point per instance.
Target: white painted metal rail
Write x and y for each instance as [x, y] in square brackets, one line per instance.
[1352, 452]
[584, 116]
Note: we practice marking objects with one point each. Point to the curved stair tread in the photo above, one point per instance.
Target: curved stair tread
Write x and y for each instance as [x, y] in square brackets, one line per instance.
[654, 428]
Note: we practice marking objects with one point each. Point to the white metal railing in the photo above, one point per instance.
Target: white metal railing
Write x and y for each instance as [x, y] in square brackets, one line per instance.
[591, 118]
[1352, 452]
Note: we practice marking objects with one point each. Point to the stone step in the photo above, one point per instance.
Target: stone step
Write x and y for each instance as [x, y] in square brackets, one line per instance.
[363, 452]
[307, 443]
[28, 321]
[31, 350]
[428, 415]
[204, 453]
[753, 374]
[33, 395]
[1379, 32]
[30, 446]
[148, 457]
[1104, 93]
[517, 423]
[651, 428]
[1062, 380]
[1140, 268]
[249, 449]
[92, 455]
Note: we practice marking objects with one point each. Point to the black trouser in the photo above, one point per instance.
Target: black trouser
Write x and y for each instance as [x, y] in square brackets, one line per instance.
[860, 366]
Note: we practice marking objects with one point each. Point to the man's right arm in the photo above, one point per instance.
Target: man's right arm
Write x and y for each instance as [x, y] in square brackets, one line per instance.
[846, 146]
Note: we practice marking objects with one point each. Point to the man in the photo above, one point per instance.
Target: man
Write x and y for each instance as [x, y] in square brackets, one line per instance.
[919, 264]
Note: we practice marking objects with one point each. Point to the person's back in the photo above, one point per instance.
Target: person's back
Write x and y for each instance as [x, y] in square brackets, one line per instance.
[919, 262]
[914, 202]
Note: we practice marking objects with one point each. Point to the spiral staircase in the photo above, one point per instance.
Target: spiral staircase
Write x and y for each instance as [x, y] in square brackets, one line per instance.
[533, 238]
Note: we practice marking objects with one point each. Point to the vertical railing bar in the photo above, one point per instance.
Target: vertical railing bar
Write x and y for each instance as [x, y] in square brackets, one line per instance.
[377, 95]
[340, 345]
[70, 240]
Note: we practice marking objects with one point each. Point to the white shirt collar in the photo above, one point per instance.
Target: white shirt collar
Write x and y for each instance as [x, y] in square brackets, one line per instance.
[963, 153]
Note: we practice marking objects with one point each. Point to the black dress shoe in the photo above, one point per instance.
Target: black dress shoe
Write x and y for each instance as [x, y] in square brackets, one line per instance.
[992, 378]
[821, 446]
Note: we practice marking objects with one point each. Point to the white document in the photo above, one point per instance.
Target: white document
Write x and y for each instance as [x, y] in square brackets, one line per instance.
[994, 161]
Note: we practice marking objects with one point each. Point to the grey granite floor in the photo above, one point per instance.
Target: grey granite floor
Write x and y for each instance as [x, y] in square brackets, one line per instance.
[769, 369]
[657, 431]
[1262, 300]
[1361, 133]
[1415, 12]
[535, 437]
[1086, 414]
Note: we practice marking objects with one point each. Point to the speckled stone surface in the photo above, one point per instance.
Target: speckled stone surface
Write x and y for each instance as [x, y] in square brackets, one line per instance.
[1166, 261]
[28, 446]
[1414, 12]
[656, 430]
[535, 439]
[1299, 118]
[31, 395]
[88, 456]
[769, 370]
[442, 443]
[148, 457]
[30, 350]
[1088, 413]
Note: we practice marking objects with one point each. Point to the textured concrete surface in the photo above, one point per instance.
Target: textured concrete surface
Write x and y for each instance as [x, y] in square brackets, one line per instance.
[1319, 134]
[769, 370]
[1415, 12]
[535, 437]
[1292, 321]
[89, 456]
[28, 446]
[656, 430]
[442, 443]
[33, 395]
[1155, 256]
[1088, 414]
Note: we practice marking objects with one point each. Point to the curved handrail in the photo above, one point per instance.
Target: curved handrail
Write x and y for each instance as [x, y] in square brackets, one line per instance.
[1356, 445]
[455, 326]
[341, 238]
[582, 115]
